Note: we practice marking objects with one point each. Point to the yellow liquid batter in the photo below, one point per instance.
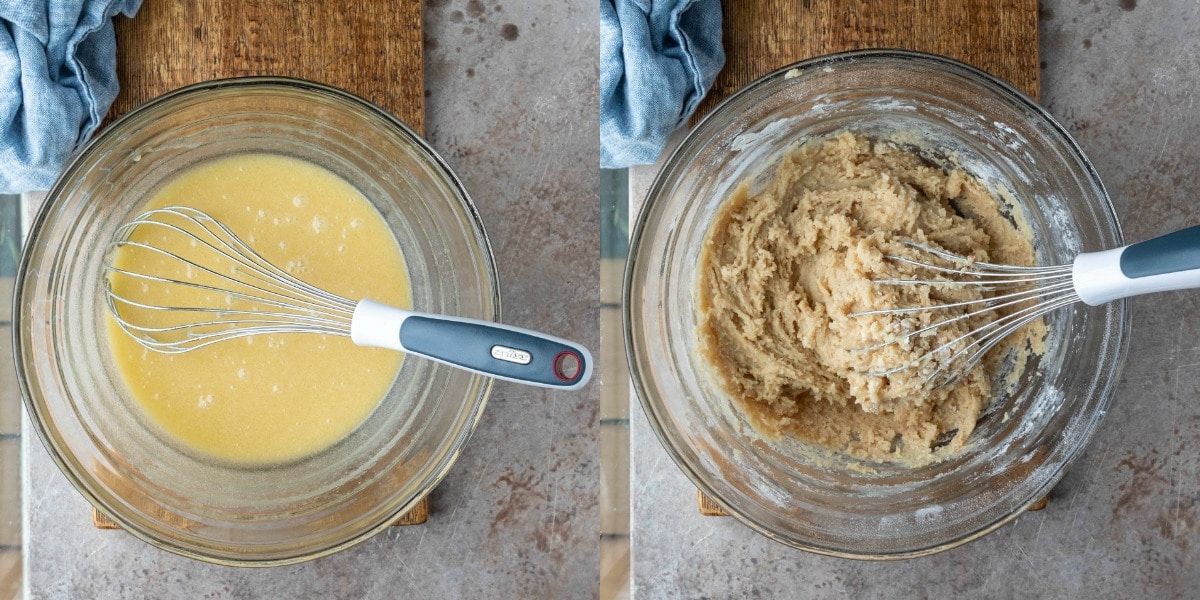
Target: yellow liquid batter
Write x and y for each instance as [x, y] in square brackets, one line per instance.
[268, 398]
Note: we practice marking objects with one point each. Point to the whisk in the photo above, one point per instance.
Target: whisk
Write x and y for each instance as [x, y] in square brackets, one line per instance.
[1025, 294]
[239, 293]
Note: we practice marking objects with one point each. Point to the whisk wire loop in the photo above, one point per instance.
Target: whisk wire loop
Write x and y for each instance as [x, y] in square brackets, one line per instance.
[233, 249]
[1020, 294]
[262, 298]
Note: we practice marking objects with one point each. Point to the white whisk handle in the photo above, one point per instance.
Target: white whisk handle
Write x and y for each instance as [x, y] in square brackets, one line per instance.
[493, 349]
[1165, 263]
[377, 325]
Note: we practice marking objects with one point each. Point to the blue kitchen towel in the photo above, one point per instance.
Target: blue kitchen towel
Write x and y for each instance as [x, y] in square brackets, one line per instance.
[58, 76]
[657, 60]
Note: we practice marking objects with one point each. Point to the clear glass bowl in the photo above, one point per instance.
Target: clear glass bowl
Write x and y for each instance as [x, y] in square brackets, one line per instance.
[820, 501]
[101, 440]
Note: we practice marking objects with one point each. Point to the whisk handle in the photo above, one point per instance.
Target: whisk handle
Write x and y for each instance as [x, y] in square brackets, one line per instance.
[493, 349]
[1168, 262]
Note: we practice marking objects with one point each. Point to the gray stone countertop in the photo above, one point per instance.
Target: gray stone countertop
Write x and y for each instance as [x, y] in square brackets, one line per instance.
[511, 104]
[1125, 521]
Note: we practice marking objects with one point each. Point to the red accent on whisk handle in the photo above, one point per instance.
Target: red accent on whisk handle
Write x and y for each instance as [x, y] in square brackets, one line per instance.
[493, 349]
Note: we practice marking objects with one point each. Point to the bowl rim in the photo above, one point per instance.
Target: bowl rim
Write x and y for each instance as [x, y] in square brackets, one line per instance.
[250, 83]
[687, 148]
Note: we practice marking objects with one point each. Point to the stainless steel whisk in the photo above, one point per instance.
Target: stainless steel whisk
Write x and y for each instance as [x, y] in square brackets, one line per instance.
[258, 297]
[1168, 262]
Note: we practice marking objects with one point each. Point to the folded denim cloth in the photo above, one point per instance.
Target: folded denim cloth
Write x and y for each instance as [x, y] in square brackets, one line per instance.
[58, 76]
[657, 60]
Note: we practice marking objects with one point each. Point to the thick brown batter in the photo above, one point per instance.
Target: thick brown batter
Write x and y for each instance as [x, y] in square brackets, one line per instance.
[783, 269]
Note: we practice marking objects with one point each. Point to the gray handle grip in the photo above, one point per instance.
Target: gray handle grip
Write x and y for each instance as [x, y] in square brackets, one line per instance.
[1170, 253]
[1165, 263]
[497, 350]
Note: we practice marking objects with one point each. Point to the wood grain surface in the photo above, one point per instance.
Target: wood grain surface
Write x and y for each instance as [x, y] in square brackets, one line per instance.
[373, 49]
[370, 48]
[998, 36]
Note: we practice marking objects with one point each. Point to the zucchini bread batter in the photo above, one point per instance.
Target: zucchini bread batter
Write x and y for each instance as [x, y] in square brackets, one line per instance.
[783, 270]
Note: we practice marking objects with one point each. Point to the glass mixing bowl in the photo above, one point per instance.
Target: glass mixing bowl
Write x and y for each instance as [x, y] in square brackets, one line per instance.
[821, 501]
[104, 444]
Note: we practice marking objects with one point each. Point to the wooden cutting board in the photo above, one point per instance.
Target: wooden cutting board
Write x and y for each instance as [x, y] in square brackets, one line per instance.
[370, 48]
[759, 36]
[373, 49]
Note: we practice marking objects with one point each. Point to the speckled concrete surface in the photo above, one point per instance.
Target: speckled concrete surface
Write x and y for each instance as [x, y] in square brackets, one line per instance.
[511, 104]
[1125, 522]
